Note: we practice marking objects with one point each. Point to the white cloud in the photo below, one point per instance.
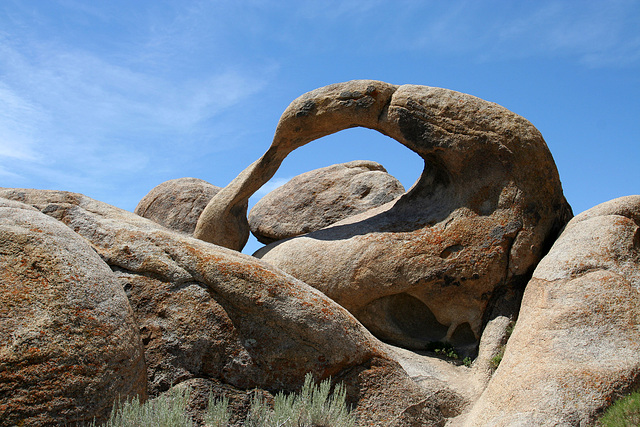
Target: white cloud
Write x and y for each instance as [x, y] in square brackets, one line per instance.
[83, 116]
[593, 33]
[18, 119]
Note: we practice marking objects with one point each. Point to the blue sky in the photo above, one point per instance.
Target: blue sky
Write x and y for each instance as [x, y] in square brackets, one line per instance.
[110, 98]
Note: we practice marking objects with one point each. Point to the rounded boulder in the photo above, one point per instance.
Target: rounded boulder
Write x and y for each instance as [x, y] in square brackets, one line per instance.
[319, 198]
[177, 203]
[69, 346]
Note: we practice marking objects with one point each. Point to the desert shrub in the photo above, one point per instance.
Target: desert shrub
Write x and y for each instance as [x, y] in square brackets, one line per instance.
[623, 413]
[313, 406]
[218, 413]
[167, 410]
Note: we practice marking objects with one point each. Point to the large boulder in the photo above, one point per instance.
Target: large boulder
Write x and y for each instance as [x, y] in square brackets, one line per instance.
[446, 257]
[177, 203]
[69, 346]
[321, 197]
[216, 313]
[575, 346]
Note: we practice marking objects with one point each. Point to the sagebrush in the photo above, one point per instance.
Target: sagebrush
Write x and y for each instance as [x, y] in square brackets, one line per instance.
[313, 406]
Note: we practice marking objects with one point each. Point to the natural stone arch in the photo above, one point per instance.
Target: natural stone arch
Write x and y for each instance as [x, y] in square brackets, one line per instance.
[311, 116]
[462, 241]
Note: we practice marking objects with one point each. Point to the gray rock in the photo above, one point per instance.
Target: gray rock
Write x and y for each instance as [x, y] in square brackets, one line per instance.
[216, 313]
[321, 197]
[443, 259]
[69, 346]
[177, 203]
[575, 346]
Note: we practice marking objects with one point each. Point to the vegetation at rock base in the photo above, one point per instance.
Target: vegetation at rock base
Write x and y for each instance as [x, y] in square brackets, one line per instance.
[495, 360]
[313, 406]
[168, 410]
[623, 413]
[447, 351]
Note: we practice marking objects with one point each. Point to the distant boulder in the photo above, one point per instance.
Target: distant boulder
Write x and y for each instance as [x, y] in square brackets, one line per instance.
[177, 203]
[321, 197]
[69, 346]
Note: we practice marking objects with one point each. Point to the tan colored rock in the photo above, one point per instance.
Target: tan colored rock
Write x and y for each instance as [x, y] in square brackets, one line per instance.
[321, 197]
[576, 343]
[447, 256]
[216, 313]
[69, 346]
[177, 203]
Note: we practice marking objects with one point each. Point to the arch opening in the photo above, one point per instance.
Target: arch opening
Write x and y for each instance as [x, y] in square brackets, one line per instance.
[357, 143]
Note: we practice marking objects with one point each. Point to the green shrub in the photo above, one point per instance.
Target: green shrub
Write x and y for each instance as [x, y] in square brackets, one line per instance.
[168, 410]
[313, 406]
[447, 351]
[495, 360]
[623, 413]
[218, 412]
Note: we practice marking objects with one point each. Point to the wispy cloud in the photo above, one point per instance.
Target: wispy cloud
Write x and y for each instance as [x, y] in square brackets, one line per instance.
[593, 33]
[69, 114]
[17, 120]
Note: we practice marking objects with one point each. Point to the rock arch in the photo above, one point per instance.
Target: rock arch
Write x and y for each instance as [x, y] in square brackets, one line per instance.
[463, 240]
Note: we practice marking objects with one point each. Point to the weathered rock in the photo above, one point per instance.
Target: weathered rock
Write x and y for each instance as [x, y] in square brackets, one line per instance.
[576, 343]
[177, 203]
[69, 346]
[217, 313]
[439, 262]
[321, 197]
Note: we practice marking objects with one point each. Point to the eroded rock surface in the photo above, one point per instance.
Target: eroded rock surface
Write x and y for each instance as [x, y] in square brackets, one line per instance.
[446, 257]
[576, 343]
[321, 197]
[215, 313]
[177, 203]
[69, 346]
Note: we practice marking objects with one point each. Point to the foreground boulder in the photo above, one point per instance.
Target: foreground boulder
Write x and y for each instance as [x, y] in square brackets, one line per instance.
[321, 197]
[210, 312]
[69, 346]
[177, 203]
[443, 259]
[575, 346]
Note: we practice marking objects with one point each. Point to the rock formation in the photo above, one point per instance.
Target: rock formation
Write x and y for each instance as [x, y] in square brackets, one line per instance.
[69, 346]
[576, 343]
[434, 264]
[97, 302]
[321, 197]
[177, 203]
[209, 312]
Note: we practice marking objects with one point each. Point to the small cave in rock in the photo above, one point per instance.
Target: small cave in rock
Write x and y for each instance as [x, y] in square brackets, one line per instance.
[464, 340]
[405, 321]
